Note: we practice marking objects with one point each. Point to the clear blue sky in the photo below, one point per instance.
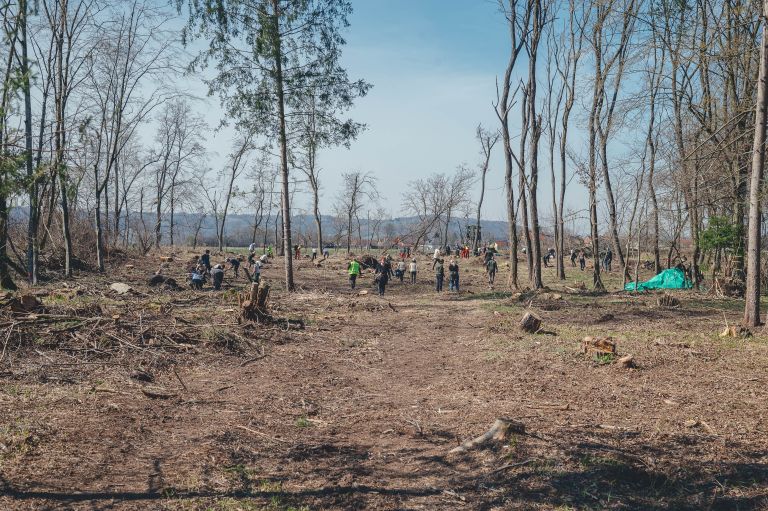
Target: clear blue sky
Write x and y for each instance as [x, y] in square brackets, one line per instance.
[433, 65]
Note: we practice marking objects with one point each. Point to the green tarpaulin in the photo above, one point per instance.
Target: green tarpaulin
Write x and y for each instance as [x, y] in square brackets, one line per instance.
[673, 278]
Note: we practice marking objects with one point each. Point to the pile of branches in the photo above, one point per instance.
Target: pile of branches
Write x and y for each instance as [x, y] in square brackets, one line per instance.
[90, 333]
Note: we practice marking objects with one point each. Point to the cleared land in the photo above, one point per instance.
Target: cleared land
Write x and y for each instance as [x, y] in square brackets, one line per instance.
[360, 409]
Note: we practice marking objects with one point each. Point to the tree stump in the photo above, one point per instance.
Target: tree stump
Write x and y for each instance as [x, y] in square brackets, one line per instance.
[262, 296]
[530, 323]
[253, 305]
[25, 303]
[667, 300]
[599, 345]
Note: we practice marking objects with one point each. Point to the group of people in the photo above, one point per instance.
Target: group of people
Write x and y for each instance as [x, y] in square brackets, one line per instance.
[606, 259]
[297, 253]
[385, 270]
[202, 269]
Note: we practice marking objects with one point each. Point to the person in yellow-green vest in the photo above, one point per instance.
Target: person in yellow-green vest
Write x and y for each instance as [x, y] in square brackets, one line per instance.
[353, 268]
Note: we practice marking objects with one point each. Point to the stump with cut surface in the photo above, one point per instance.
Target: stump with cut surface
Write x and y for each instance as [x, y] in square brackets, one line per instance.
[667, 300]
[499, 432]
[599, 345]
[530, 323]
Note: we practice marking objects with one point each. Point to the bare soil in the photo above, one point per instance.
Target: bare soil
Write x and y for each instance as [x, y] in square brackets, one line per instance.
[360, 409]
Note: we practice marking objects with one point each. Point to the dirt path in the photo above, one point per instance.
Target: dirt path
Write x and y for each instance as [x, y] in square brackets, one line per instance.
[360, 409]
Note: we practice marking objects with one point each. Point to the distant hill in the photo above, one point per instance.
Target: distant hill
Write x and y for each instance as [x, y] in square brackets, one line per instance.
[239, 227]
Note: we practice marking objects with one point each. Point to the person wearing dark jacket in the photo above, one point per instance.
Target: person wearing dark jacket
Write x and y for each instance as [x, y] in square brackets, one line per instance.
[217, 276]
[234, 263]
[205, 260]
[453, 276]
[439, 275]
[383, 271]
[491, 267]
[607, 260]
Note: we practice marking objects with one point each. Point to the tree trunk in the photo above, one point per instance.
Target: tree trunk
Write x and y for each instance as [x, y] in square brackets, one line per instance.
[6, 282]
[289, 284]
[32, 223]
[523, 186]
[173, 208]
[752, 305]
[476, 241]
[158, 217]
[535, 122]
[99, 234]
[612, 219]
[318, 218]
[652, 187]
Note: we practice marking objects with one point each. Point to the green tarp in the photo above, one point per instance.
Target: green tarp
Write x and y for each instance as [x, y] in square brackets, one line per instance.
[673, 278]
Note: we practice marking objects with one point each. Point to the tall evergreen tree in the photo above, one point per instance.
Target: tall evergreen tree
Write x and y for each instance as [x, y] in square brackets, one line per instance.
[268, 57]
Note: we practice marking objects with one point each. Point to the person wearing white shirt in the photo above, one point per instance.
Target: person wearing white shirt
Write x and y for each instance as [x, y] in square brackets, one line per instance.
[412, 269]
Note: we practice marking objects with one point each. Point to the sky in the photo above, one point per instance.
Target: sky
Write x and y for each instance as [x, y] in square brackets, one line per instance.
[433, 65]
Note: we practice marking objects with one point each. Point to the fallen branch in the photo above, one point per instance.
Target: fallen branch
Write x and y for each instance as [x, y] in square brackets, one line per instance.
[157, 393]
[253, 359]
[180, 380]
[499, 432]
[512, 465]
[249, 430]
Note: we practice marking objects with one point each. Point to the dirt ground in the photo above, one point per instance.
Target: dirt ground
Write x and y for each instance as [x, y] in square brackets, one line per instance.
[359, 409]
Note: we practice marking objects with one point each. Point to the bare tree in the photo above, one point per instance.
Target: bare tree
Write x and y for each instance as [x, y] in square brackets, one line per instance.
[568, 71]
[130, 51]
[608, 58]
[488, 139]
[238, 160]
[517, 23]
[179, 144]
[425, 200]
[358, 186]
[539, 19]
[457, 196]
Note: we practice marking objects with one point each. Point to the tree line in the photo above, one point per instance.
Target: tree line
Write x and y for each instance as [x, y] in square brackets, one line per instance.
[655, 107]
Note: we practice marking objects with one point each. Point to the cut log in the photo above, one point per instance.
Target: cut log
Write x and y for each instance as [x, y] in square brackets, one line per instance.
[530, 323]
[735, 331]
[120, 288]
[499, 432]
[627, 362]
[166, 259]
